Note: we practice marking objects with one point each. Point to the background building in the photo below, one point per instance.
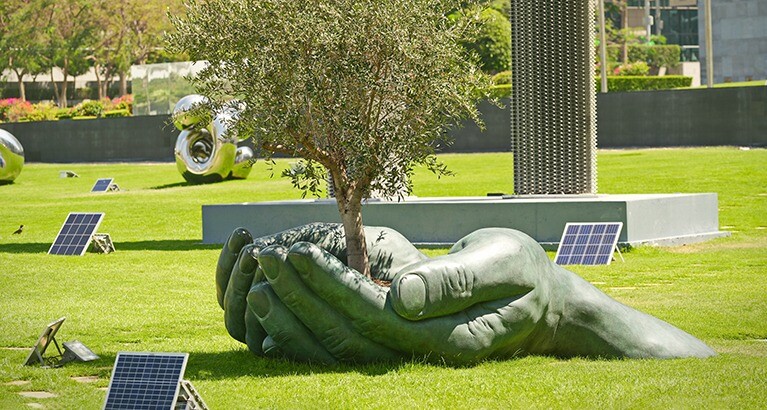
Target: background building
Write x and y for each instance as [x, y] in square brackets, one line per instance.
[677, 20]
[739, 40]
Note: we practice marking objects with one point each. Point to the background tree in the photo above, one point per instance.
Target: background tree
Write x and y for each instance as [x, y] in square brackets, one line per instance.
[619, 8]
[70, 30]
[362, 88]
[130, 32]
[20, 39]
[491, 42]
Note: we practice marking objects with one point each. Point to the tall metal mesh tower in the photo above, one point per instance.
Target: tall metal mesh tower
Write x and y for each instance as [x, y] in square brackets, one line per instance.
[553, 104]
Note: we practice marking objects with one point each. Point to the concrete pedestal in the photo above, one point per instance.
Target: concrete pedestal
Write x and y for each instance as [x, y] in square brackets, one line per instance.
[662, 219]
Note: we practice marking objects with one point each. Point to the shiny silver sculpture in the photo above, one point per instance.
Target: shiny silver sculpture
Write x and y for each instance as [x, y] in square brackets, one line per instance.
[206, 149]
[11, 157]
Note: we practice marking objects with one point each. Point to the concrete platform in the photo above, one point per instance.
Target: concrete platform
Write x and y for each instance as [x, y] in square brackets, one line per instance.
[661, 219]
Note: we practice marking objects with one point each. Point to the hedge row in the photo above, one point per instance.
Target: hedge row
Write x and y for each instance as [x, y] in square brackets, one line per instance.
[655, 56]
[16, 110]
[620, 83]
[645, 83]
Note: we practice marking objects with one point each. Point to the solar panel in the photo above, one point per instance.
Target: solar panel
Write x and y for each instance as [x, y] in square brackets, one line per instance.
[588, 243]
[102, 185]
[45, 339]
[145, 381]
[76, 350]
[76, 233]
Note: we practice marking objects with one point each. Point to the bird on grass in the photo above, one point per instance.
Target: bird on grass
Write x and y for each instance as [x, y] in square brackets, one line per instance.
[18, 231]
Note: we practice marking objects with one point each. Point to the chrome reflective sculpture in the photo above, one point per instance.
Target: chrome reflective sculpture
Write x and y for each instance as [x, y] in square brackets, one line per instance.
[11, 157]
[206, 149]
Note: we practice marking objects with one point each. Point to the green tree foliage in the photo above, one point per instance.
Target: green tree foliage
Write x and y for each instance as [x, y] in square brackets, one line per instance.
[655, 56]
[69, 32]
[503, 6]
[20, 40]
[362, 88]
[618, 9]
[37, 36]
[492, 44]
[130, 31]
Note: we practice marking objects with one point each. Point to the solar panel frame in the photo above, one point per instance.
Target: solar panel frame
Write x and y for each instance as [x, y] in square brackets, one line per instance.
[145, 381]
[45, 339]
[588, 243]
[76, 233]
[102, 185]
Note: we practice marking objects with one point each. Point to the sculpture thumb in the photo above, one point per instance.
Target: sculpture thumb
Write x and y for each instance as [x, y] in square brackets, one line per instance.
[490, 265]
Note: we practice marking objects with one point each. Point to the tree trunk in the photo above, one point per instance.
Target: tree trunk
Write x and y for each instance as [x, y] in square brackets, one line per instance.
[63, 92]
[22, 89]
[356, 248]
[55, 88]
[625, 30]
[64, 83]
[99, 82]
[350, 209]
[123, 83]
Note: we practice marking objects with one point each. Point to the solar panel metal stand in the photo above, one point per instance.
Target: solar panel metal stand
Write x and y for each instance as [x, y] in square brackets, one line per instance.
[188, 398]
[102, 243]
[114, 187]
[38, 349]
[50, 361]
[619, 254]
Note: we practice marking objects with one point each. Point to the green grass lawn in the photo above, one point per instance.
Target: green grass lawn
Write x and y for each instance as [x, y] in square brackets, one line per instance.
[156, 293]
[754, 83]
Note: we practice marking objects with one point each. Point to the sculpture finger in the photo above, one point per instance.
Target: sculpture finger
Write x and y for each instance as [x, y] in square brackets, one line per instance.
[480, 331]
[332, 330]
[487, 265]
[244, 274]
[254, 333]
[286, 332]
[227, 259]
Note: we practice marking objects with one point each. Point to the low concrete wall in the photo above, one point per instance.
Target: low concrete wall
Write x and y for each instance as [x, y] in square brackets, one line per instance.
[701, 117]
[676, 218]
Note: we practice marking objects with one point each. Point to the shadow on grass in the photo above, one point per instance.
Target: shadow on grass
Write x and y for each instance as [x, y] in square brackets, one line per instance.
[235, 364]
[173, 185]
[164, 245]
[24, 247]
[185, 183]
[238, 363]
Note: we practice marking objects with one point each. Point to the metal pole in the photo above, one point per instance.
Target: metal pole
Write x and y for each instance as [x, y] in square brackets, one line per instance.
[658, 21]
[647, 20]
[709, 46]
[602, 46]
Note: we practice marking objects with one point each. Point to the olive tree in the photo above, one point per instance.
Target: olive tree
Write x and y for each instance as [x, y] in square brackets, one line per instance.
[361, 89]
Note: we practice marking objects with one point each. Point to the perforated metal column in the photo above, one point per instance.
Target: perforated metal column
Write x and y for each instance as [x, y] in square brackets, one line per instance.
[553, 104]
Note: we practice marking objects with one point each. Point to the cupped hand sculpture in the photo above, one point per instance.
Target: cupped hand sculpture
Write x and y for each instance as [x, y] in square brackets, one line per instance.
[496, 294]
